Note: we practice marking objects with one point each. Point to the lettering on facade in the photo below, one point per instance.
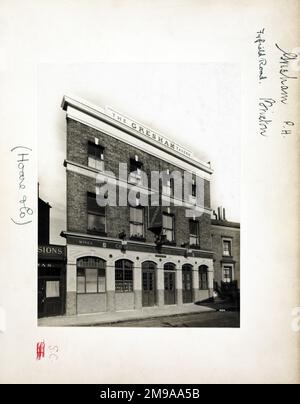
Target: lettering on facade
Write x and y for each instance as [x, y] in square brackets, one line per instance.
[51, 251]
[147, 132]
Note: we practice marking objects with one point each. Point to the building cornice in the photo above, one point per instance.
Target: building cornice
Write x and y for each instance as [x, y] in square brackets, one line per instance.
[166, 249]
[99, 114]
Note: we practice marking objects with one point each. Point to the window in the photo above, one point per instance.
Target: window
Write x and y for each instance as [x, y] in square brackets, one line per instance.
[194, 233]
[52, 289]
[169, 266]
[91, 275]
[136, 166]
[194, 188]
[203, 277]
[168, 226]
[123, 276]
[137, 222]
[95, 156]
[168, 188]
[96, 215]
[227, 273]
[227, 248]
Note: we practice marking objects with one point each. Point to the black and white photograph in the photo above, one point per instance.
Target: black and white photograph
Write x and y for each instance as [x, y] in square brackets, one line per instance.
[150, 179]
[133, 229]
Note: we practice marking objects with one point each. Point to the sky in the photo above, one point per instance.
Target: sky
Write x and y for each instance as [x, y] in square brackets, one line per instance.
[197, 105]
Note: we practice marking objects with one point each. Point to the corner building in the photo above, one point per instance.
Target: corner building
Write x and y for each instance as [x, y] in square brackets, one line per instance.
[113, 261]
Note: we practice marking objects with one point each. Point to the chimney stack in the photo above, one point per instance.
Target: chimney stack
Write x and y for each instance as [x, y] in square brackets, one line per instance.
[219, 213]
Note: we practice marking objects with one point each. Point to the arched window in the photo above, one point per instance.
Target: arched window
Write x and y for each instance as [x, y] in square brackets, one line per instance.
[203, 277]
[123, 276]
[169, 266]
[91, 275]
[149, 266]
[187, 267]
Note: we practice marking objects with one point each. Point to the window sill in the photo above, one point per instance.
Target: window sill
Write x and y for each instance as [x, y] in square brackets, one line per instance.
[195, 247]
[171, 243]
[97, 233]
[135, 238]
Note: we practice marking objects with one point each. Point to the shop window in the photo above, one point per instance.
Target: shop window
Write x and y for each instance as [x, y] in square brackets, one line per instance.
[227, 273]
[52, 289]
[123, 276]
[136, 168]
[91, 275]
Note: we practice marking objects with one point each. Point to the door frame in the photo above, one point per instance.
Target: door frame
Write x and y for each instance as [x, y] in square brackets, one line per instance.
[190, 270]
[152, 271]
[172, 271]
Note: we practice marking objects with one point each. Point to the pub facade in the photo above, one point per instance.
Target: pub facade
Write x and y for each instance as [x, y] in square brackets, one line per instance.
[134, 255]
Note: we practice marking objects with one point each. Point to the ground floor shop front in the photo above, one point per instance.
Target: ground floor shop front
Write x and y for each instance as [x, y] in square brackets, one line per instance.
[51, 280]
[101, 279]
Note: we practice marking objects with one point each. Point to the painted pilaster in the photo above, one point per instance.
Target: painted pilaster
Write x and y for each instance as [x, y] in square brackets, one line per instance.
[160, 287]
[110, 286]
[178, 282]
[195, 283]
[71, 295]
[137, 285]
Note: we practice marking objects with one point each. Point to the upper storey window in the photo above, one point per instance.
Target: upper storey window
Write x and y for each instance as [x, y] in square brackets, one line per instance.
[136, 168]
[95, 156]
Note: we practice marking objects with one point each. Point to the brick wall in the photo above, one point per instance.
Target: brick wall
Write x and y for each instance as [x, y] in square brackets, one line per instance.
[116, 151]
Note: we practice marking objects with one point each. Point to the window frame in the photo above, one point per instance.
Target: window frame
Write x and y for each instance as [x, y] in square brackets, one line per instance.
[95, 152]
[124, 288]
[99, 276]
[134, 223]
[96, 212]
[172, 216]
[197, 236]
[224, 242]
[203, 270]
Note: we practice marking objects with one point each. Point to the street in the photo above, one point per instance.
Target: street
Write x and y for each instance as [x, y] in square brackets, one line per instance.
[213, 319]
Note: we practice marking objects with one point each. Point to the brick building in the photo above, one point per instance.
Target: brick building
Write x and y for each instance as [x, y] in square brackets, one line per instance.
[226, 247]
[128, 257]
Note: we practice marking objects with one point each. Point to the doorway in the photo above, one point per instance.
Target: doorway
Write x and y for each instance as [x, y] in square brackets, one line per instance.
[148, 284]
[187, 283]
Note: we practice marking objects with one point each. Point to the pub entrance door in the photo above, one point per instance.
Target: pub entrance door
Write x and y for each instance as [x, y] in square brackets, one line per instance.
[169, 281]
[187, 283]
[148, 283]
[51, 289]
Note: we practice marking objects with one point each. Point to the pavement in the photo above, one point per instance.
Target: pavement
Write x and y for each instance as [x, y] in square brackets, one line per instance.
[108, 318]
[210, 319]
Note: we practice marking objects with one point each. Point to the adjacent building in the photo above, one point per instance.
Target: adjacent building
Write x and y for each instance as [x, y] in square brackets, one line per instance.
[51, 268]
[226, 247]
